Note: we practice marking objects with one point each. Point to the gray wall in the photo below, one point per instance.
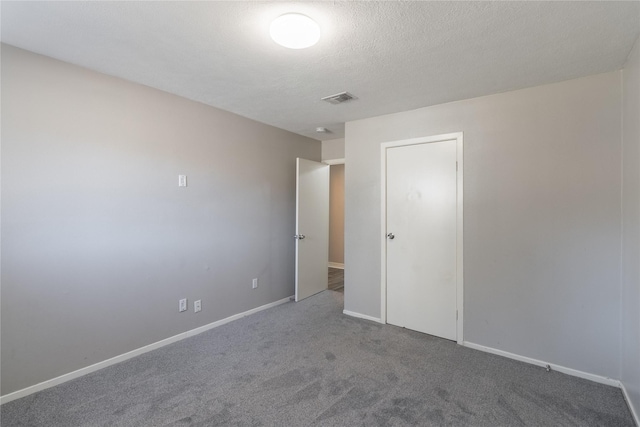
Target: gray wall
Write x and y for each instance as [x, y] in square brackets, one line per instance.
[333, 149]
[336, 214]
[98, 241]
[541, 217]
[630, 367]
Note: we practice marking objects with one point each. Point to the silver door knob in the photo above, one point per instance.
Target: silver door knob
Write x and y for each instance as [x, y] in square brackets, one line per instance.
[299, 236]
[391, 236]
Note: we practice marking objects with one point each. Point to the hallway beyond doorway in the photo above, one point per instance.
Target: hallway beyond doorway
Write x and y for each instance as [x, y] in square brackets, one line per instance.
[336, 279]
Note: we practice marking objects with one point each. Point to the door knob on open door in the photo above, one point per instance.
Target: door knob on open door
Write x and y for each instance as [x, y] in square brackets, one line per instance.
[299, 236]
[391, 236]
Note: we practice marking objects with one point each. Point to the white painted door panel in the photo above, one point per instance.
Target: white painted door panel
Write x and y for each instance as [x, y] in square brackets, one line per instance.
[421, 258]
[312, 228]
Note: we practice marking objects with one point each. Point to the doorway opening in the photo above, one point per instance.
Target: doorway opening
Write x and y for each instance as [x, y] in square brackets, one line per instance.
[336, 225]
[313, 267]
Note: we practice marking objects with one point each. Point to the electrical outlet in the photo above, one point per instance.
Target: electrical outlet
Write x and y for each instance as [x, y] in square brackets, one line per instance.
[182, 305]
[197, 306]
[182, 180]
[254, 284]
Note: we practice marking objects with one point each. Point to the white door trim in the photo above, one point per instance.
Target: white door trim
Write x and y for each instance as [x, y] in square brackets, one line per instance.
[457, 136]
[332, 162]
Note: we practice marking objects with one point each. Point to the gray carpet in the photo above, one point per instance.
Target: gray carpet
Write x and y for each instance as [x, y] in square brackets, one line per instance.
[306, 363]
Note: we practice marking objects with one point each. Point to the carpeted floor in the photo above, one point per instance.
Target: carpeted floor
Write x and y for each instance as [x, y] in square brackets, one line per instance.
[306, 363]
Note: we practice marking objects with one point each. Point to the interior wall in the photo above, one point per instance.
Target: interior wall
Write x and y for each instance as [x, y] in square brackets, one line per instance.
[333, 149]
[98, 241]
[630, 366]
[336, 214]
[542, 234]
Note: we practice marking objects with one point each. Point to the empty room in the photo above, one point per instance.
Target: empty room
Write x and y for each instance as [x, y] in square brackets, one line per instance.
[349, 213]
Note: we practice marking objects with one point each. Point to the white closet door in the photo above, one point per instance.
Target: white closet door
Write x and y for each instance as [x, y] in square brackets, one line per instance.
[421, 204]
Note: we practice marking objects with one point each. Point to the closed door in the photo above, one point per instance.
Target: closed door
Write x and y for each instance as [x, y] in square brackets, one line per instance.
[421, 221]
[312, 228]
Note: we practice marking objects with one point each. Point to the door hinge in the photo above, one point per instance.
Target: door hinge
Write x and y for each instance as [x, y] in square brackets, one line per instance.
[456, 314]
[456, 166]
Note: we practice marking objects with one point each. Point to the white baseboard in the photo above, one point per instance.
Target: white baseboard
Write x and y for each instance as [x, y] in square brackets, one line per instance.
[569, 371]
[634, 413]
[121, 358]
[362, 316]
[336, 265]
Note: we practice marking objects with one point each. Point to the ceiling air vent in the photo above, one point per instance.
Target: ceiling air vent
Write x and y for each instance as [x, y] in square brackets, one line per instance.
[339, 98]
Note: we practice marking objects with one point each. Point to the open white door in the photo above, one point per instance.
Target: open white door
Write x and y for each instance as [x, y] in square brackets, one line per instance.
[312, 228]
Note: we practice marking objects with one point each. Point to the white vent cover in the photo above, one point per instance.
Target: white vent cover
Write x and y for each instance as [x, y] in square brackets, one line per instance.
[339, 98]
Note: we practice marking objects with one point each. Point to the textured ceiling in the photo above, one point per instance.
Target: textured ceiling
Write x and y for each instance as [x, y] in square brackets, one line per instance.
[393, 56]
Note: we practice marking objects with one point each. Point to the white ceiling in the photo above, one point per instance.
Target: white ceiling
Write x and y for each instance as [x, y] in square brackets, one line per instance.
[393, 56]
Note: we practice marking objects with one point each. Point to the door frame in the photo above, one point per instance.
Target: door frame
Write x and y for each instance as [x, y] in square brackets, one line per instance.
[332, 162]
[458, 137]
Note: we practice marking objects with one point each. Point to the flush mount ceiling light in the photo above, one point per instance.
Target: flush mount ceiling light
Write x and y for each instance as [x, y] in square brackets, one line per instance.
[295, 31]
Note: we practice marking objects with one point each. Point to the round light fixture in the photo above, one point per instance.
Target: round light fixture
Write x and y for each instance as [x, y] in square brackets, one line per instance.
[295, 31]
